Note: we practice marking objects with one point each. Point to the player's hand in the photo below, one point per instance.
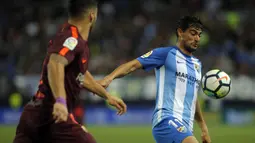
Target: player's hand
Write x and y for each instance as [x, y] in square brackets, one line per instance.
[205, 135]
[118, 104]
[60, 113]
[105, 82]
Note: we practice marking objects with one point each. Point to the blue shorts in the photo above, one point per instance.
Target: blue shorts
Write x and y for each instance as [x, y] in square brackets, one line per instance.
[171, 130]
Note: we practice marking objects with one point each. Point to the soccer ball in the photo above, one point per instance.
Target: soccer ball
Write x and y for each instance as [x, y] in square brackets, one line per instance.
[216, 84]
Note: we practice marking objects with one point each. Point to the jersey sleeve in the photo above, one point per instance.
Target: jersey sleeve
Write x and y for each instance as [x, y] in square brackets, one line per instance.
[153, 59]
[65, 45]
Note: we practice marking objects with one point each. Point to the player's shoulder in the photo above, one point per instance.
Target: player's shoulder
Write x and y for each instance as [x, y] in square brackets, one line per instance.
[197, 60]
[68, 36]
[163, 50]
[166, 51]
[68, 30]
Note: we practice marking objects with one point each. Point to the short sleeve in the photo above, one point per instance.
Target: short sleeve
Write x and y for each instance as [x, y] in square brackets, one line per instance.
[65, 45]
[153, 59]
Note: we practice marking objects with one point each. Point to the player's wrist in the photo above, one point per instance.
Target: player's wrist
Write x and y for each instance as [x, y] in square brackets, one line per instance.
[61, 100]
[203, 127]
[108, 96]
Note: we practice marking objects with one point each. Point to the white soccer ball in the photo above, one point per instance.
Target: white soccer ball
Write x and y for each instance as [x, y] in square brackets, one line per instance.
[216, 84]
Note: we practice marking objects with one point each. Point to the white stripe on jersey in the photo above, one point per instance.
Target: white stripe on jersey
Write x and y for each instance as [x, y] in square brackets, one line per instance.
[180, 87]
[161, 87]
[193, 106]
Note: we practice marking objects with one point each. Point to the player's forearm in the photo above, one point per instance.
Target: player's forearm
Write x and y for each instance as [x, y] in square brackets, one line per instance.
[199, 116]
[125, 69]
[56, 75]
[91, 84]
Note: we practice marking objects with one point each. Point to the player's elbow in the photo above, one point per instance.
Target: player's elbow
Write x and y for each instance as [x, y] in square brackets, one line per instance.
[132, 69]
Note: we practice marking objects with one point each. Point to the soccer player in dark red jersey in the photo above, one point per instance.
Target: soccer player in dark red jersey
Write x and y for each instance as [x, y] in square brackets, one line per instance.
[48, 116]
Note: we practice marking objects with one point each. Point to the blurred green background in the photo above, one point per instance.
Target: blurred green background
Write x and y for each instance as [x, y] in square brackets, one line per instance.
[142, 134]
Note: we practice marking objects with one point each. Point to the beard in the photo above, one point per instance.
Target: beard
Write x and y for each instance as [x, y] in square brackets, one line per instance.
[189, 49]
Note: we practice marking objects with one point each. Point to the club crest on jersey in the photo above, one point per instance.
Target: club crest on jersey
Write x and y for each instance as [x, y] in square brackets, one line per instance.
[147, 54]
[70, 43]
[80, 78]
[197, 66]
[182, 129]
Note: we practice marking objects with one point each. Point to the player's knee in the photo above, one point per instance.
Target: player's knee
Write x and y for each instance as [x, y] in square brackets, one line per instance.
[190, 139]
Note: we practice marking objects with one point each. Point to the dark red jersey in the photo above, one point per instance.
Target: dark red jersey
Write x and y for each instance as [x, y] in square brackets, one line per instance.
[37, 123]
[69, 44]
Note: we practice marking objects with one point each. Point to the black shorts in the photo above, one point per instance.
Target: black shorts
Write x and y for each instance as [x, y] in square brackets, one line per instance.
[36, 125]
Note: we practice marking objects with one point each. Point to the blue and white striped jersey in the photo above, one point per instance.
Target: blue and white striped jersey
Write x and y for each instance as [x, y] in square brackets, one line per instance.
[178, 78]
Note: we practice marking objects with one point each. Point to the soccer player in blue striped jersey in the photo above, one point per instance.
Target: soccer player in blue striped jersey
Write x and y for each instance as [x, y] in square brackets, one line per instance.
[178, 76]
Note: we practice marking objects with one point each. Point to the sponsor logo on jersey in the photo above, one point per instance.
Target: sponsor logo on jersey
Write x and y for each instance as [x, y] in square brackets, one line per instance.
[189, 77]
[70, 43]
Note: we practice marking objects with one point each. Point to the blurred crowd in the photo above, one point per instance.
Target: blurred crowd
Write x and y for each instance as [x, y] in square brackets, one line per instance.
[128, 28]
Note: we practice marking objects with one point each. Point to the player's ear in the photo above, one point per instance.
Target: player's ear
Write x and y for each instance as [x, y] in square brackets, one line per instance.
[90, 17]
[180, 32]
[94, 14]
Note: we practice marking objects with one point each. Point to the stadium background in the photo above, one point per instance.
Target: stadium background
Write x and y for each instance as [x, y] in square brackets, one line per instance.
[125, 30]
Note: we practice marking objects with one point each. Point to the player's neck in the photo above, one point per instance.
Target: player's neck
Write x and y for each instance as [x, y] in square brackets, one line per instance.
[83, 29]
[181, 47]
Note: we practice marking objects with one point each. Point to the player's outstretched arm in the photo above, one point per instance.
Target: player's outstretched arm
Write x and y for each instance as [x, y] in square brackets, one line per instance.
[125, 69]
[150, 60]
[201, 122]
[121, 71]
[56, 76]
[91, 84]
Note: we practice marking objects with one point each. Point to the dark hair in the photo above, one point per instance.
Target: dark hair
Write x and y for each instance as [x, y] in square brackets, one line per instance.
[77, 8]
[188, 21]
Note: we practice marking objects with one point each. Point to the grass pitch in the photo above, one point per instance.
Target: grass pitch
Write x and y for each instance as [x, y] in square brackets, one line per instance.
[142, 134]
